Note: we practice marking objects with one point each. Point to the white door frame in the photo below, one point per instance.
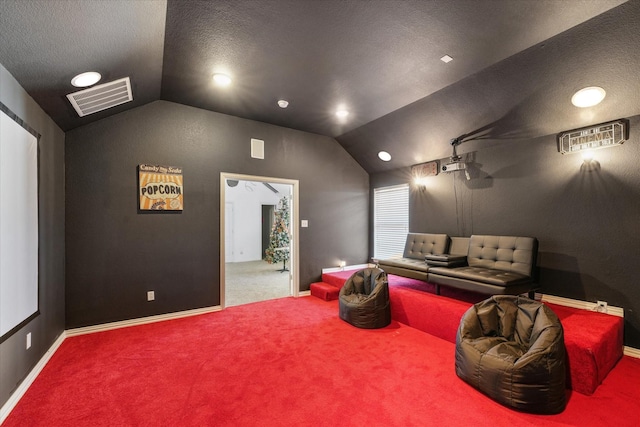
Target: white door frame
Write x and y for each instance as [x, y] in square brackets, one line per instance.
[227, 240]
[294, 262]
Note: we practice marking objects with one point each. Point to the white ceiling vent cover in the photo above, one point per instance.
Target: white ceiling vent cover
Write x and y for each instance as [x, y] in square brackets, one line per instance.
[101, 97]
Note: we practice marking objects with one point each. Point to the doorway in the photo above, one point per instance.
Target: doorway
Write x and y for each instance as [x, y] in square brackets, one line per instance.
[249, 202]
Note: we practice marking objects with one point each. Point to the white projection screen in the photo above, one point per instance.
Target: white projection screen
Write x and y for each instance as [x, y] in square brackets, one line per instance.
[18, 224]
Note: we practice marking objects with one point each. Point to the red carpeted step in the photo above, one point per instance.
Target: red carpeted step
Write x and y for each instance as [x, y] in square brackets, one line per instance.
[337, 278]
[324, 291]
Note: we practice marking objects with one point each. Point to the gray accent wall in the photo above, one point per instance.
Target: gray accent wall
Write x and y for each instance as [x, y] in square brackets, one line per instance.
[15, 360]
[115, 254]
[587, 219]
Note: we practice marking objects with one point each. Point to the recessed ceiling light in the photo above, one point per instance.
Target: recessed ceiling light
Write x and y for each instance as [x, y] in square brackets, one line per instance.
[283, 104]
[446, 59]
[221, 79]
[588, 97]
[86, 79]
[342, 113]
[384, 156]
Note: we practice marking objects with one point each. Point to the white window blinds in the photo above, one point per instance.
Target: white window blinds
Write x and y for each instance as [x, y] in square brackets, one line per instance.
[390, 220]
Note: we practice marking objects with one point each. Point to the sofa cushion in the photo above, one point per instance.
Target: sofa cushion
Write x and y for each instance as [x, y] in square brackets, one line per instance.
[507, 253]
[483, 275]
[419, 245]
[410, 263]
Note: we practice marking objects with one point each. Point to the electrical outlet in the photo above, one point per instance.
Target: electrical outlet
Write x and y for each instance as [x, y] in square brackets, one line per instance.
[28, 340]
[601, 306]
[151, 295]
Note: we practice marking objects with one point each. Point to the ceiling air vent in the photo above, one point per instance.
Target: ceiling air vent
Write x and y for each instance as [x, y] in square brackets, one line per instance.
[101, 97]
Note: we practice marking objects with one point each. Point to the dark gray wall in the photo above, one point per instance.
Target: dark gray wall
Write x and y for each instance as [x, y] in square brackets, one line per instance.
[115, 254]
[587, 222]
[15, 360]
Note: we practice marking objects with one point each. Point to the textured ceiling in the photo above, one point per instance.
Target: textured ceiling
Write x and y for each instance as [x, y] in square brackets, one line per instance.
[379, 59]
[371, 56]
[524, 97]
[44, 44]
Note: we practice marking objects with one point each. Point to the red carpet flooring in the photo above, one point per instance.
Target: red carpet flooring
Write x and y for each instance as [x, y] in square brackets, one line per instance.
[287, 362]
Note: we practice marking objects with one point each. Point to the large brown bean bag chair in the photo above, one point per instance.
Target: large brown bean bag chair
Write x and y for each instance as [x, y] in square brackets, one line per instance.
[364, 299]
[512, 349]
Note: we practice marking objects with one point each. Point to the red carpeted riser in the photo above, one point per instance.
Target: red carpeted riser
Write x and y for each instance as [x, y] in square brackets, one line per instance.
[593, 340]
[337, 278]
[594, 343]
[324, 291]
[436, 315]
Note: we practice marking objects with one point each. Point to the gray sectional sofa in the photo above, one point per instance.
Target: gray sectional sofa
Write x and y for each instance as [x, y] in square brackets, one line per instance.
[494, 265]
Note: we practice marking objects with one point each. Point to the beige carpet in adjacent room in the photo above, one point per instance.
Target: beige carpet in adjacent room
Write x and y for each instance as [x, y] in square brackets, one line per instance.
[253, 281]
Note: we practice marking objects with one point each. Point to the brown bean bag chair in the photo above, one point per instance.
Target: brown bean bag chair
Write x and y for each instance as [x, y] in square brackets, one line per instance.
[364, 299]
[512, 349]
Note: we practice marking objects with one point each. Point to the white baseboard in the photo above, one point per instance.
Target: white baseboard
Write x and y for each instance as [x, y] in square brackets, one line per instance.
[574, 303]
[584, 305]
[26, 383]
[140, 321]
[6, 409]
[304, 294]
[347, 267]
[632, 352]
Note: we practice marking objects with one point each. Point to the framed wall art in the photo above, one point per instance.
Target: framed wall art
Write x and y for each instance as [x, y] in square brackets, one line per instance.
[161, 188]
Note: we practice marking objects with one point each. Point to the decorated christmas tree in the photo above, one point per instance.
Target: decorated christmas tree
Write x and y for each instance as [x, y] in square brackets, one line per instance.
[278, 249]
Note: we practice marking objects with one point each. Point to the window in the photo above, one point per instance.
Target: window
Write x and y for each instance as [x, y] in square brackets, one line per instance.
[390, 220]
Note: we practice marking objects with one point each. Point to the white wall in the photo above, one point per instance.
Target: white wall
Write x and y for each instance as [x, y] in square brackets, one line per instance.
[247, 199]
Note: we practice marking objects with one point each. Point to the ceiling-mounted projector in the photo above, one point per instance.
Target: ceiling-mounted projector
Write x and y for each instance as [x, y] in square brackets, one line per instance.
[454, 161]
[454, 166]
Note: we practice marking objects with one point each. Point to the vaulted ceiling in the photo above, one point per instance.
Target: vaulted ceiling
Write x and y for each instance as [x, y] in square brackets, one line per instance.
[515, 65]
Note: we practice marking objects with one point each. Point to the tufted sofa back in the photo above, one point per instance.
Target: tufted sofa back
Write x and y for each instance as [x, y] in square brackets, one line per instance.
[507, 253]
[420, 244]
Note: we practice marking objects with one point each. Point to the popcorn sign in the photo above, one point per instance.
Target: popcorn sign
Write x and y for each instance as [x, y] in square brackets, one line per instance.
[160, 188]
